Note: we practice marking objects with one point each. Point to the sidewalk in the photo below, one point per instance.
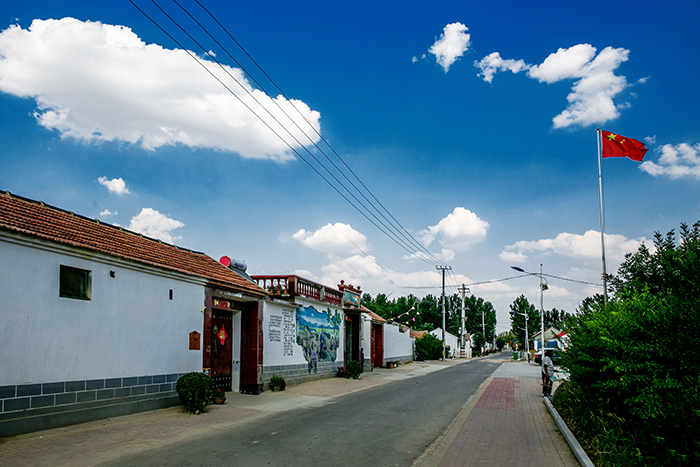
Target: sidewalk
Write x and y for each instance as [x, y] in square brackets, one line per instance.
[505, 423]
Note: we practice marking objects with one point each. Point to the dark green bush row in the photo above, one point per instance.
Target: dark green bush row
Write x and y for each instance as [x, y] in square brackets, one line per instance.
[633, 396]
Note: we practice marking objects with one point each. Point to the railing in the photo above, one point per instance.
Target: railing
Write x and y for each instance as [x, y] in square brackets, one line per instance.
[291, 286]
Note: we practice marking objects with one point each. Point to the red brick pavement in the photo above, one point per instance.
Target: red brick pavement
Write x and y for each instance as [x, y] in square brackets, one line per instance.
[506, 424]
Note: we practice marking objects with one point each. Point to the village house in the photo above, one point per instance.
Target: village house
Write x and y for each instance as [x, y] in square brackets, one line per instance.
[98, 321]
[311, 330]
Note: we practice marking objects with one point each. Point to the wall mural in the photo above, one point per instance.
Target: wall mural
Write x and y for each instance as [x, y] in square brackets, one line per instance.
[318, 334]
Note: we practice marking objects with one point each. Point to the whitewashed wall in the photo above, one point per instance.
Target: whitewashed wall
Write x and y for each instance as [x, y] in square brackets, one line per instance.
[450, 340]
[398, 346]
[279, 346]
[282, 355]
[130, 327]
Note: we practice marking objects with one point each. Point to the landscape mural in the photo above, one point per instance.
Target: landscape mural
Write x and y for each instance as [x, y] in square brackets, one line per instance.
[318, 335]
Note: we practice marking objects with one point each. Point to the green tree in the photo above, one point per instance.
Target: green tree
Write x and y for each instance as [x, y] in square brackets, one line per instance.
[634, 379]
[520, 308]
[555, 318]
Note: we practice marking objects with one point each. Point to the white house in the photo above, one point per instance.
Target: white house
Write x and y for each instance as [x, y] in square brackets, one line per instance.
[451, 341]
[93, 313]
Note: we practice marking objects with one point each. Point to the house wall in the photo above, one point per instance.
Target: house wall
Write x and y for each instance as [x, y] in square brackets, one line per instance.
[366, 340]
[451, 341]
[398, 346]
[289, 351]
[129, 339]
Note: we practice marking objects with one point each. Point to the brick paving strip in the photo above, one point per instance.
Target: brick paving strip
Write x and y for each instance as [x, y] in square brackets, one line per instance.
[100, 441]
[504, 424]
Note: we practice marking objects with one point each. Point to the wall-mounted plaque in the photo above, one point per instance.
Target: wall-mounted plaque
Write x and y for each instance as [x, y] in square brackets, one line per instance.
[194, 340]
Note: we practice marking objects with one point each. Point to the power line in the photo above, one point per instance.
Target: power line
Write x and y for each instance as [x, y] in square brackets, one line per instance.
[408, 247]
[402, 230]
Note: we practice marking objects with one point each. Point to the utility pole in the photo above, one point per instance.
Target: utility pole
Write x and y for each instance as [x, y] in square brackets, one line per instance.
[462, 353]
[483, 327]
[443, 269]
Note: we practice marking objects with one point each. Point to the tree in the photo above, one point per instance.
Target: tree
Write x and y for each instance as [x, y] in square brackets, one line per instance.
[555, 318]
[633, 374]
[520, 308]
[473, 308]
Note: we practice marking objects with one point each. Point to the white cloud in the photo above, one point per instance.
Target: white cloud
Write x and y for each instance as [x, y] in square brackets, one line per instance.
[332, 238]
[107, 213]
[451, 45]
[154, 224]
[591, 98]
[586, 246]
[96, 82]
[493, 63]
[457, 232]
[676, 161]
[512, 257]
[563, 64]
[116, 185]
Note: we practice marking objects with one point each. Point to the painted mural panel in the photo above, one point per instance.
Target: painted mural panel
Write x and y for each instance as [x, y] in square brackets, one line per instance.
[318, 334]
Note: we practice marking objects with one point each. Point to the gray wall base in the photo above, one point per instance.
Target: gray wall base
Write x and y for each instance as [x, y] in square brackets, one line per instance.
[27, 421]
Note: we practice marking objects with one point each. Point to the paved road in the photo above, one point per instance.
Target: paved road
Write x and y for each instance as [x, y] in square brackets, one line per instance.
[390, 425]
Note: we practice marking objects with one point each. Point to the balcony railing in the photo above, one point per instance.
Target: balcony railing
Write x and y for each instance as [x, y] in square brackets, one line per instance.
[292, 286]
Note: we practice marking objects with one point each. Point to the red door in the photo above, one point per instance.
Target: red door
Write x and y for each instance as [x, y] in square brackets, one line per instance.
[221, 354]
[377, 345]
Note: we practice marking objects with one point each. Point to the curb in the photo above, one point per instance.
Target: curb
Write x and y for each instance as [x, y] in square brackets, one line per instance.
[571, 440]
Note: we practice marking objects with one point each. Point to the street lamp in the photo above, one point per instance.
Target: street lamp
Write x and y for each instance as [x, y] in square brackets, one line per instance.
[543, 286]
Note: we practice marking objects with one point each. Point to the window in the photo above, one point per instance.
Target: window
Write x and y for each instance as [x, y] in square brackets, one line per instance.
[75, 283]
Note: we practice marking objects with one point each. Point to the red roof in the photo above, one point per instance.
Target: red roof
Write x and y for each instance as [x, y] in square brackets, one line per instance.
[418, 334]
[375, 317]
[37, 219]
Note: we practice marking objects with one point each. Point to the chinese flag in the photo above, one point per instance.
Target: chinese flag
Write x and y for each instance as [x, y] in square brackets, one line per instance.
[619, 146]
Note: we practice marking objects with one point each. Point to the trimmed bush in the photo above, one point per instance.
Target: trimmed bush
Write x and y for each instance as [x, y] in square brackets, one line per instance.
[195, 391]
[428, 347]
[353, 369]
[277, 383]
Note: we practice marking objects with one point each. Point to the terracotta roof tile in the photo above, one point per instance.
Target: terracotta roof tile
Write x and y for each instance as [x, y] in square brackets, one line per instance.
[375, 317]
[37, 219]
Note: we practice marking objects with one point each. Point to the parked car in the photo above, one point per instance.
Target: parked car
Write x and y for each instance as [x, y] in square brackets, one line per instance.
[557, 356]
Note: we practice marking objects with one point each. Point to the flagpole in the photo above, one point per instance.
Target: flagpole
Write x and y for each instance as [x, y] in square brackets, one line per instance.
[602, 224]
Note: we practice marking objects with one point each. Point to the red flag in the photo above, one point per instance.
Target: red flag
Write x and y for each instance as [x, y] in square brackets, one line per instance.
[619, 146]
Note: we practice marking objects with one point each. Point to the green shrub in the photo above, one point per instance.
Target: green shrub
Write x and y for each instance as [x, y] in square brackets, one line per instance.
[277, 383]
[353, 369]
[428, 347]
[195, 391]
[634, 391]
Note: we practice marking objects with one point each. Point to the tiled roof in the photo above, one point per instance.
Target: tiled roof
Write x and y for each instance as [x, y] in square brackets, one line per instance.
[418, 334]
[37, 219]
[375, 317]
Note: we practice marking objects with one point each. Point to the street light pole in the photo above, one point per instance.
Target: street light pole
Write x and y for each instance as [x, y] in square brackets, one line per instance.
[543, 286]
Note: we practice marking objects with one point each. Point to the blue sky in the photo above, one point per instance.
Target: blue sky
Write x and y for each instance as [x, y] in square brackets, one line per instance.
[473, 123]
